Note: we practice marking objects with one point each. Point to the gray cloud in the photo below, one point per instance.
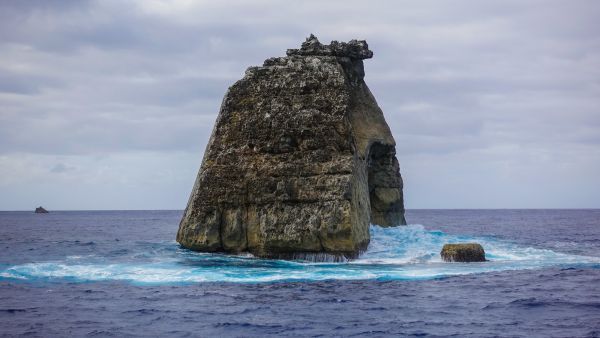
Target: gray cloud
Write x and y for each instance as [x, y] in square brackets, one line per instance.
[61, 168]
[503, 91]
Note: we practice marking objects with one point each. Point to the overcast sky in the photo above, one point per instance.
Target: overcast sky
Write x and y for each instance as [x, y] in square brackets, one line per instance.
[109, 104]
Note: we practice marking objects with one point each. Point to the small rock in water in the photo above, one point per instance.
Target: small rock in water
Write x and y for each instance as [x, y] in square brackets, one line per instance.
[463, 252]
[40, 210]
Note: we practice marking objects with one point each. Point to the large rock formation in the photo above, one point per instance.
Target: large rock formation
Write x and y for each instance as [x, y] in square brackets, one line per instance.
[299, 162]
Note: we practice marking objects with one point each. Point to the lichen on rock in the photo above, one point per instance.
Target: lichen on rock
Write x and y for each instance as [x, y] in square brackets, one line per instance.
[299, 162]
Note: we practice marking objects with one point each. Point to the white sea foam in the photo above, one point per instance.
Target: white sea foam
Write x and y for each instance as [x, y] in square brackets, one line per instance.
[401, 253]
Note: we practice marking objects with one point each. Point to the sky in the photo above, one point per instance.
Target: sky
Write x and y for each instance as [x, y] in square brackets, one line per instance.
[110, 104]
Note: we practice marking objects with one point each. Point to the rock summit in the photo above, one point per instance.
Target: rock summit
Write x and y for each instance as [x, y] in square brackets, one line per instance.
[299, 163]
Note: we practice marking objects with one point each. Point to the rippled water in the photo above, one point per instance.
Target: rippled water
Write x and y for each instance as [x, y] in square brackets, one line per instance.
[121, 272]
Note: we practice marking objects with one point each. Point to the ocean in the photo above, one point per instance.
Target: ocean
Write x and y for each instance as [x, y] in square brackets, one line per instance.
[121, 274]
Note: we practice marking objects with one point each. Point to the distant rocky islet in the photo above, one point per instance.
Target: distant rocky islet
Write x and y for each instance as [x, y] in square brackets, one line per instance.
[40, 210]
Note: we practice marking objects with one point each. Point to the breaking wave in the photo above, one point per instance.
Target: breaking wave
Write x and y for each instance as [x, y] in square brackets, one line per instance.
[401, 253]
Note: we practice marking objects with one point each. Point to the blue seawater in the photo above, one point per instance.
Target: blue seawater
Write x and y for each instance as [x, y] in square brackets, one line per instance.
[120, 273]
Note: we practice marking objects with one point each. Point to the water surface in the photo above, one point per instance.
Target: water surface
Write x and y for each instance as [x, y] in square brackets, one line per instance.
[121, 273]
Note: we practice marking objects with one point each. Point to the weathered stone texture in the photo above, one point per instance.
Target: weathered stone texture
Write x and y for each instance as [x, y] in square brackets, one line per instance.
[299, 161]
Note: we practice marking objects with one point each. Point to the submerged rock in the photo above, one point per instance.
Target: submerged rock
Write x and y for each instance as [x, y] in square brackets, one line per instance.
[40, 210]
[463, 252]
[299, 162]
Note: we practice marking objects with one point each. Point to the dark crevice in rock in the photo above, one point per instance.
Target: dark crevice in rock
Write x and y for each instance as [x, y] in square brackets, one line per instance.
[221, 225]
[384, 185]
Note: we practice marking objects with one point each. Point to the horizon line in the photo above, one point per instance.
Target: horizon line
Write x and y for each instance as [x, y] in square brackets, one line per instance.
[407, 209]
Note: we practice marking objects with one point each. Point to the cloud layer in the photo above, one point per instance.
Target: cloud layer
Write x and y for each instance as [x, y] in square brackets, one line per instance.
[492, 104]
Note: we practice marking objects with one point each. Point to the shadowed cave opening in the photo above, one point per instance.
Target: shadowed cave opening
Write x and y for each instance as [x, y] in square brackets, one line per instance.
[384, 184]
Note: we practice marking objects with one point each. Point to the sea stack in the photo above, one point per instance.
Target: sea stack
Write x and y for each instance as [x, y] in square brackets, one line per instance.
[40, 210]
[299, 162]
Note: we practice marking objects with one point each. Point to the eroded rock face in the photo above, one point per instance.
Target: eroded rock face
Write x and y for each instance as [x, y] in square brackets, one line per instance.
[299, 162]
